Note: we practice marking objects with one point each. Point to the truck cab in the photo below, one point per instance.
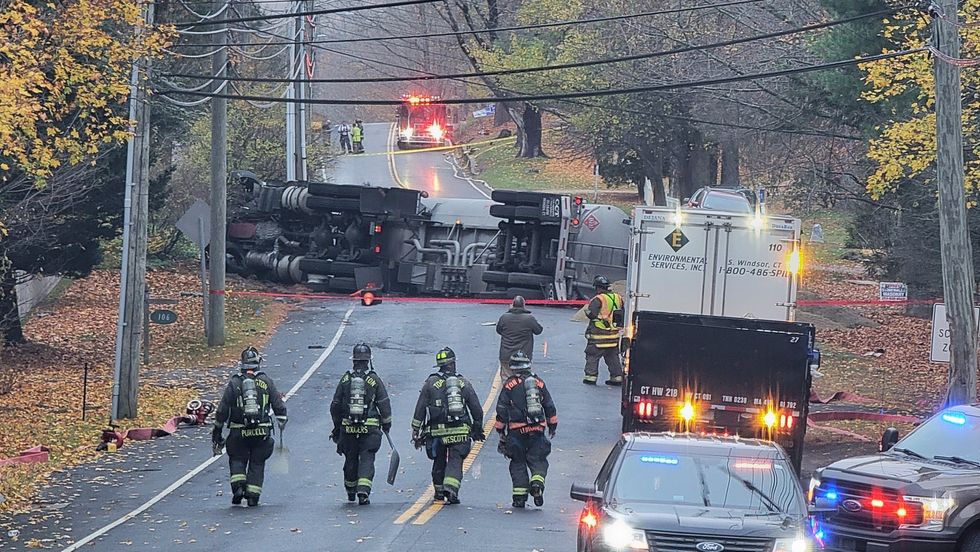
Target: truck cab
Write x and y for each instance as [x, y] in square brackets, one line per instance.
[919, 493]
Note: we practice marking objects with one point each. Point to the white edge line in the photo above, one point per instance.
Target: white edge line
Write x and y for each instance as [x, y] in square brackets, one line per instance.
[471, 181]
[204, 465]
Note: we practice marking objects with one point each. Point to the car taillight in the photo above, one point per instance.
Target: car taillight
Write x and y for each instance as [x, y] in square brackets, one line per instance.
[645, 410]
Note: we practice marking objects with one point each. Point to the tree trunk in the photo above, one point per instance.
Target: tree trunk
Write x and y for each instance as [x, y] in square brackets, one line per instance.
[529, 136]
[653, 169]
[13, 333]
[730, 162]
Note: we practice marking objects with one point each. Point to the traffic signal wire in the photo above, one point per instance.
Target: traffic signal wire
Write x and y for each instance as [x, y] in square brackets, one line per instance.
[572, 65]
[579, 94]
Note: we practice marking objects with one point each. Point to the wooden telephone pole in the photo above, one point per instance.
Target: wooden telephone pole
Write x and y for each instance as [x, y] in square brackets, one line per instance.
[132, 278]
[219, 192]
[957, 253]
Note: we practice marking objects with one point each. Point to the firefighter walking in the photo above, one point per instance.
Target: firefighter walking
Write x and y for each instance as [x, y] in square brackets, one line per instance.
[448, 418]
[524, 410]
[605, 313]
[361, 410]
[244, 407]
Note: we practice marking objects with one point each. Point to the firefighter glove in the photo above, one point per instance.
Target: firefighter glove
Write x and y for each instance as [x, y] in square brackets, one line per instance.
[477, 434]
[502, 446]
[216, 435]
[552, 429]
[282, 422]
[386, 427]
[335, 435]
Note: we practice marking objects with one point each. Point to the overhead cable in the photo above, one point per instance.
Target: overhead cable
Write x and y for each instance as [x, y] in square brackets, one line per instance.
[586, 93]
[270, 17]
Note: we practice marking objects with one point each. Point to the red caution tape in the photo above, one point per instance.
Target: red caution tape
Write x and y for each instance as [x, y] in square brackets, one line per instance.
[838, 415]
[838, 396]
[30, 456]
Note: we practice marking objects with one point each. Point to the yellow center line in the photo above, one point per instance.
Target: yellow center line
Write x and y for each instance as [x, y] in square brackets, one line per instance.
[428, 496]
[391, 157]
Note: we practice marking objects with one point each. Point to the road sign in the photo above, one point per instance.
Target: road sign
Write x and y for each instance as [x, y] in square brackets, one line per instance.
[163, 316]
[940, 332]
[190, 223]
[893, 291]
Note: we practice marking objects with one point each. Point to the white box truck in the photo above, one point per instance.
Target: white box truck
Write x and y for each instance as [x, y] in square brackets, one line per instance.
[711, 345]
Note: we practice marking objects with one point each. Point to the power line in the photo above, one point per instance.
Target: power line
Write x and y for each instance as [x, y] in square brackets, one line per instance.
[564, 23]
[576, 64]
[582, 94]
[309, 13]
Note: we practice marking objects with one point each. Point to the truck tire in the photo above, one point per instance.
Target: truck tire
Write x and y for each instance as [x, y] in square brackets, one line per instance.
[334, 190]
[317, 203]
[343, 268]
[516, 197]
[534, 281]
[495, 277]
[520, 212]
[526, 293]
[315, 266]
[970, 542]
[342, 284]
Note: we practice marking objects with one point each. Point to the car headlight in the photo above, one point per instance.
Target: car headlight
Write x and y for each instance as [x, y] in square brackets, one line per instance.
[814, 484]
[620, 536]
[934, 511]
[799, 544]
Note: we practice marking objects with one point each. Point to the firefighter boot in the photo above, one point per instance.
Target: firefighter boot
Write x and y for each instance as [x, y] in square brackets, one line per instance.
[351, 497]
[237, 494]
[363, 499]
[253, 501]
[537, 492]
[615, 381]
[519, 501]
[452, 496]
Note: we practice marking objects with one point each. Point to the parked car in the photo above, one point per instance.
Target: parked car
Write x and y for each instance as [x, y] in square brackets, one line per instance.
[719, 199]
[921, 493]
[684, 492]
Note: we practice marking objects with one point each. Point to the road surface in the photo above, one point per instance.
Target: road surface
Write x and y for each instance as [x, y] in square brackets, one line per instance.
[383, 165]
[304, 504]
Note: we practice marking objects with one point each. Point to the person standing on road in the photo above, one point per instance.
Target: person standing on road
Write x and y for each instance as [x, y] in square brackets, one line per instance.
[448, 418]
[344, 130]
[517, 328]
[244, 407]
[605, 312]
[361, 410]
[357, 136]
[524, 409]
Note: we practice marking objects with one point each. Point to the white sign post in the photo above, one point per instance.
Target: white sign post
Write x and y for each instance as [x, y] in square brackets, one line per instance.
[940, 333]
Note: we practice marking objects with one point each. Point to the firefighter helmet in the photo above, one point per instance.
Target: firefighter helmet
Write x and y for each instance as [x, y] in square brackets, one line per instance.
[519, 362]
[601, 282]
[361, 352]
[445, 358]
[251, 357]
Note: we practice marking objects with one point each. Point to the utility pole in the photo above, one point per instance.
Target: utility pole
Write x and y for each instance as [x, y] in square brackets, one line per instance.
[299, 89]
[132, 277]
[219, 185]
[957, 254]
[307, 109]
[291, 144]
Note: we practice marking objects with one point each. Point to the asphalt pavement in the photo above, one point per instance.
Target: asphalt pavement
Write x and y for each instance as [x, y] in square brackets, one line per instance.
[304, 504]
[382, 164]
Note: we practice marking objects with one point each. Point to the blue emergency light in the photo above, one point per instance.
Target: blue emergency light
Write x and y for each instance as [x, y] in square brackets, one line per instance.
[954, 418]
[659, 460]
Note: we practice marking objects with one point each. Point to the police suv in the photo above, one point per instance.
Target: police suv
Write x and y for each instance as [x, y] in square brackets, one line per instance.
[684, 492]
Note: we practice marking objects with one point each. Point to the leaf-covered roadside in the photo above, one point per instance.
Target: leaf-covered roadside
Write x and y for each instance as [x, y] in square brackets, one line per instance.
[41, 382]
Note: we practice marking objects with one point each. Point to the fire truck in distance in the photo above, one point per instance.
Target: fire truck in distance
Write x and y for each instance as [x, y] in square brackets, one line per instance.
[423, 122]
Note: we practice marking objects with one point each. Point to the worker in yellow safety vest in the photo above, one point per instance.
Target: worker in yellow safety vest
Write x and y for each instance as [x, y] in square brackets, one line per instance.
[605, 312]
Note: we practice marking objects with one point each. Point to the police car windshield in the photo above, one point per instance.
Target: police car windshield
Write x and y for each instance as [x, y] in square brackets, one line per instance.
[755, 484]
[726, 202]
[952, 433]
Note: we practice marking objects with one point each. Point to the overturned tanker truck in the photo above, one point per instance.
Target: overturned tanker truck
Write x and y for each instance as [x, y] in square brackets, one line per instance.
[344, 238]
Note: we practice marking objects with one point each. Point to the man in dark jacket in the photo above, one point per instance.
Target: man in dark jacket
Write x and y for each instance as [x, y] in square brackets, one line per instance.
[517, 328]
[448, 418]
[361, 410]
[244, 408]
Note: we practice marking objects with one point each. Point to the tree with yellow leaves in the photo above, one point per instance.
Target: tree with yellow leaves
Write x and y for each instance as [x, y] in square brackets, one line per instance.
[904, 148]
[64, 74]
